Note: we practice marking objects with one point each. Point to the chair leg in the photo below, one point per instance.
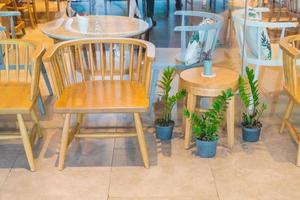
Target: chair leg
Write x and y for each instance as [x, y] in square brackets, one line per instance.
[31, 18]
[26, 142]
[298, 157]
[64, 142]
[46, 78]
[256, 72]
[287, 114]
[36, 121]
[141, 139]
[41, 105]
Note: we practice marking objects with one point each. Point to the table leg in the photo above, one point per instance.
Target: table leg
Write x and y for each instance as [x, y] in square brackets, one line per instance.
[191, 104]
[230, 122]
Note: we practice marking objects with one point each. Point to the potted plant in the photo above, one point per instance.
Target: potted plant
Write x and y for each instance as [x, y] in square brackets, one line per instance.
[206, 125]
[207, 63]
[249, 94]
[164, 124]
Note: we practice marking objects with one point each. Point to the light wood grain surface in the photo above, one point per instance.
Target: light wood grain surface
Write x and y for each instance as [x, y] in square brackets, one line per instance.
[98, 26]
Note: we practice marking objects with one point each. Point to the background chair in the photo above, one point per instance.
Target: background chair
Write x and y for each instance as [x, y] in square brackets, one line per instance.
[21, 80]
[174, 56]
[256, 25]
[101, 76]
[291, 85]
[14, 27]
[25, 6]
[12, 34]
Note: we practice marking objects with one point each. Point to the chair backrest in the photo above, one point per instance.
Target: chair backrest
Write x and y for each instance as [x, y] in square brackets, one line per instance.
[100, 59]
[256, 26]
[22, 60]
[290, 54]
[207, 30]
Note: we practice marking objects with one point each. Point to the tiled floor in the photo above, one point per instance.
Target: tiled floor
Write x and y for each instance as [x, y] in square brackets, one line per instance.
[112, 169]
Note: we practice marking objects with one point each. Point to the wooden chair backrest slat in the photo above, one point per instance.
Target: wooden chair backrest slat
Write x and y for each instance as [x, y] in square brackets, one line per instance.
[22, 62]
[290, 55]
[101, 59]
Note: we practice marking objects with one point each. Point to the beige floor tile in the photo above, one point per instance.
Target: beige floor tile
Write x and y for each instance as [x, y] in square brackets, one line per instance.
[161, 198]
[172, 176]
[81, 153]
[72, 183]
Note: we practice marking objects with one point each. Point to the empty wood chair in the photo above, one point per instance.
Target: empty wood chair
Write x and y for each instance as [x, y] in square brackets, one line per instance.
[291, 85]
[11, 33]
[101, 76]
[19, 88]
[15, 26]
[25, 6]
[258, 50]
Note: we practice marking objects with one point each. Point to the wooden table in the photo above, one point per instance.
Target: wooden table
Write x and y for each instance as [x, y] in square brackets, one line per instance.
[98, 26]
[196, 85]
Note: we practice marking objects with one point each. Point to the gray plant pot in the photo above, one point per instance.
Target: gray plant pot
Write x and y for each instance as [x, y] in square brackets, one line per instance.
[206, 149]
[164, 132]
[251, 134]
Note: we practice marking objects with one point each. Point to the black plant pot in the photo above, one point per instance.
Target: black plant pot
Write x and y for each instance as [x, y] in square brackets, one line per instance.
[206, 149]
[164, 132]
[251, 134]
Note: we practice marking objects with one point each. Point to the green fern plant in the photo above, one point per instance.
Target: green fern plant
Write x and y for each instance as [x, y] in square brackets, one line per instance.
[168, 101]
[206, 125]
[249, 94]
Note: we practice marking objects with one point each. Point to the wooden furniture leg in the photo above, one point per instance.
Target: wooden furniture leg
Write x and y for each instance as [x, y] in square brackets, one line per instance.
[47, 9]
[191, 104]
[287, 114]
[36, 122]
[141, 139]
[298, 157]
[230, 122]
[26, 142]
[64, 142]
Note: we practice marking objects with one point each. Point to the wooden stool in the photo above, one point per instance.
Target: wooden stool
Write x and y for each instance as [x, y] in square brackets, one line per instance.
[196, 85]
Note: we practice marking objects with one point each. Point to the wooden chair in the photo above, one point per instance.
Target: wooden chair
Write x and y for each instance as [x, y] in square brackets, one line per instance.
[290, 55]
[11, 33]
[23, 7]
[13, 28]
[101, 76]
[21, 81]
[249, 54]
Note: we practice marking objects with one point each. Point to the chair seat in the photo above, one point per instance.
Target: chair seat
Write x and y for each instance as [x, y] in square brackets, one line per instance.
[275, 61]
[15, 98]
[103, 96]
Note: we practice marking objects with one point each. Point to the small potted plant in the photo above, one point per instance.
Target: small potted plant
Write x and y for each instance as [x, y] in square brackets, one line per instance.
[207, 63]
[206, 125]
[164, 124]
[249, 94]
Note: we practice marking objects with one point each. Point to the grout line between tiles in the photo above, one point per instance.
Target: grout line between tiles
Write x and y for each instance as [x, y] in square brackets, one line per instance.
[5, 179]
[212, 173]
[111, 164]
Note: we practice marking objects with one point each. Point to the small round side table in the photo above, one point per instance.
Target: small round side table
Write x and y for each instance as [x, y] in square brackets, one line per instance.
[197, 85]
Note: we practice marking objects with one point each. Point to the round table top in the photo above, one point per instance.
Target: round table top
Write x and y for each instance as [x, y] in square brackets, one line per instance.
[94, 26]
[224, 79]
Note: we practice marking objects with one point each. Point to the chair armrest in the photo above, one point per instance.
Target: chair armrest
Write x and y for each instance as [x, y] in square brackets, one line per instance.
[279, 25]
[262, 9]
[9, 13]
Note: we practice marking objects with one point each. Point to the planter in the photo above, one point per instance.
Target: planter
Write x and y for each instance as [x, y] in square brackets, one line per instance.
[206, 149]
[251, 134]
[164, 132]
[207, 71]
